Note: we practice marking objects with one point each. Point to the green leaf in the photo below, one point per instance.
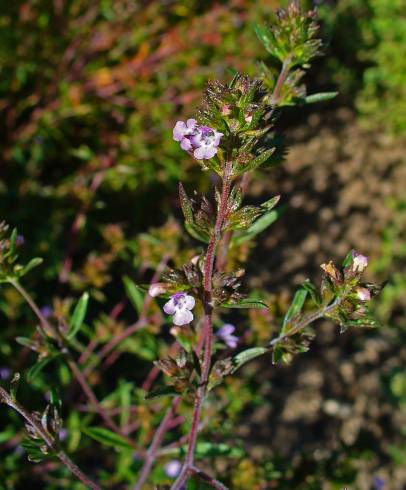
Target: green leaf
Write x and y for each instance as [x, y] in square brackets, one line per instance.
[26, 342]
[271, 203]
[278, 354]
[246, 303]
[261, 159]
[212, 450]
[295, 308]
[13, 242]
[246, 356]
[7, 435]
[163, 391]
[107, 437]
[321, 97]
[312, 290]
[14, 385]
[266, 37]
[31, 264]
[257, 227]
[33, 450]
[209, 450]
[197, 234]
[195, 483]
[348, 259]
[78, 315]
[185, 204]
[38, 367]
[134, 294]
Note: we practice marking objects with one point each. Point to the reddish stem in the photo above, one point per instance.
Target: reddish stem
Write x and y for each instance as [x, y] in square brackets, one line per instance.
[207, 332]
[156, 444]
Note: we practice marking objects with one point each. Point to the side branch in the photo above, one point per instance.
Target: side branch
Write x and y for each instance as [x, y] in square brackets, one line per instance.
[48, 439]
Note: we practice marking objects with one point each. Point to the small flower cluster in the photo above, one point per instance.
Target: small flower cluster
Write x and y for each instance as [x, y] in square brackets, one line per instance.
[202, 141]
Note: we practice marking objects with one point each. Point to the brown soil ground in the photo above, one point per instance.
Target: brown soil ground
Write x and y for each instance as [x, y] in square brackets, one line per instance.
[336, 182]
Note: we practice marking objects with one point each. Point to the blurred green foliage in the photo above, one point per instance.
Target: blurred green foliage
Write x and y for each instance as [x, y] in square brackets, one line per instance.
[368, 62]
[89, 92]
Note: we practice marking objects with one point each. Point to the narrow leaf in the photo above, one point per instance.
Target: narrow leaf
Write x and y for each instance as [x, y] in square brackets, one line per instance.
[196, 233]
[78, 315]
[246, 356]
[163, 391]
[107, 437]
[26, 342]
[312, 290]
[260, 225]
[31, 264]
[295, 307]
[321, 97]
[246, 303]
[185, 204]
[37, 368]
[134, 294]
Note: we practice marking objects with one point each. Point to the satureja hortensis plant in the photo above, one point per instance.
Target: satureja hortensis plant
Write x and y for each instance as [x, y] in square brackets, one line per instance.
[232, 134]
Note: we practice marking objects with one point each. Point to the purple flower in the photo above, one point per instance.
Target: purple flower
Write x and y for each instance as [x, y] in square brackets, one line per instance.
[63, 434]
[225, 333]
[20, 240]
[179, 306]
[5, 373]
[172, 468]
[378, 483]
[202, 141]
[46, 311]
[359, 262]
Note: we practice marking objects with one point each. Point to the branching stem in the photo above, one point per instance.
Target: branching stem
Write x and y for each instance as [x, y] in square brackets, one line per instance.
[48, 439]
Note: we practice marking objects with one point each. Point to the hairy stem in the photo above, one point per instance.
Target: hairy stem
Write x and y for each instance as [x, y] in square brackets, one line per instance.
[307, 320]
[48, 439]
[207, 331]
[274, 99]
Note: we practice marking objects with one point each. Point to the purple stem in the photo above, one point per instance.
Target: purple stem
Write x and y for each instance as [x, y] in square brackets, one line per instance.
[207, 329]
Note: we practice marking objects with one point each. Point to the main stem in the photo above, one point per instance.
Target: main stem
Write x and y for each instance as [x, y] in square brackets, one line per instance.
[208, 326]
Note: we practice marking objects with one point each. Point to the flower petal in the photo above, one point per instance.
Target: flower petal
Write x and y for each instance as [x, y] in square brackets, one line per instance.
[169, 307]
[189, 302]
[199, 153]
[232, 341]
[210, 152]
[179, 131]
[191, 123]
[157, 289]
[185, 144]
[182, 317]
[225, 330]
[217, 138]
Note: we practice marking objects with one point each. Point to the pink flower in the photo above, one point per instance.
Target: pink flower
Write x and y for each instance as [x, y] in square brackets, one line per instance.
[157, 289]
[359, 262]
[202, 141]
[363, 294]
[180, 306]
